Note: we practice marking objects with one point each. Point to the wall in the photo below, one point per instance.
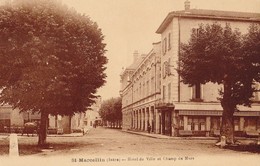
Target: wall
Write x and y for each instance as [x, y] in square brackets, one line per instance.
[170, 56]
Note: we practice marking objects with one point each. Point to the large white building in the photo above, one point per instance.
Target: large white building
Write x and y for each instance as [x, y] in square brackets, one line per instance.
[162, 100]
[140, 90]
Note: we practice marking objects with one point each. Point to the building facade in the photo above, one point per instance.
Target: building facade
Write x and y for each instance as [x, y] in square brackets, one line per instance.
[92, 116]
[11, 120]
[180, 110]
[141, 90]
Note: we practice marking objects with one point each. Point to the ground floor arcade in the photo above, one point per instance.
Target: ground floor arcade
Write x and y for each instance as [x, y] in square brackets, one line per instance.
[167, 120]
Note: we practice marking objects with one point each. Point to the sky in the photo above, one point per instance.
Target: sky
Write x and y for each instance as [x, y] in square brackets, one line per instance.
[130, 25]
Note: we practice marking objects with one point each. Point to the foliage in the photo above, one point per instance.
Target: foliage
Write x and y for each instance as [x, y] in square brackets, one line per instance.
[216, 54]
[52, 58]
[251, 51]
[111, 109]
[224, 56]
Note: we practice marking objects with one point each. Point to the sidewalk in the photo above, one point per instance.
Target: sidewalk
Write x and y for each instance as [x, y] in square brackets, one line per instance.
[67, 135]
[159, 136]
[6, 135]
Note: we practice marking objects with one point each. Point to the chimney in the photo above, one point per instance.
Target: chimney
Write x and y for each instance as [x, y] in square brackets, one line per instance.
[187, 5]
[136, 54]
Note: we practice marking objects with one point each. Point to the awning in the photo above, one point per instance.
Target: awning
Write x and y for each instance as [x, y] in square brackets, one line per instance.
[217, 113]
[164, 106]
[200, 112]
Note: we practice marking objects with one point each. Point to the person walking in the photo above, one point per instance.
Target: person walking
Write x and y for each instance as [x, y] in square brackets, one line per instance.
[149, 128]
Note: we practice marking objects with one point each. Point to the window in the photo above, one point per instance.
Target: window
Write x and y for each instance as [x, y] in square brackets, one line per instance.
[140, 90]
[169, 67]
[169, 92]
[169, 41]
[196, 91]
[196, 31]
[197, 123]
[251, 123]
[215, 123]
[165, 66]
[164, 91]
[164, 45]
[137, 92]
[236, 123]
[152, 85]
[144, 89]
[148, 88]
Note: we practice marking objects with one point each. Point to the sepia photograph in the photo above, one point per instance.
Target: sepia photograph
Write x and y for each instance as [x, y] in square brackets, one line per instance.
[129, 82]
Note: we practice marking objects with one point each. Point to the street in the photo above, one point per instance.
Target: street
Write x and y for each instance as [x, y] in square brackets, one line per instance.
[105, 141]
[113, 145]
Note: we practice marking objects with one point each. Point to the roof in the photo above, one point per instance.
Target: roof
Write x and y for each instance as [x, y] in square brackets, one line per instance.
[209, 14]
[134, 65]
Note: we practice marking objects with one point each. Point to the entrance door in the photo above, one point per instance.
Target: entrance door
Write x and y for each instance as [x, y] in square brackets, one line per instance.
[163, 122]
[168, 128]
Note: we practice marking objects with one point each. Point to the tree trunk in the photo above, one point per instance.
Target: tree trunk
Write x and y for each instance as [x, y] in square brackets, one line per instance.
[228, 105]
[227, 126]
[43, 129]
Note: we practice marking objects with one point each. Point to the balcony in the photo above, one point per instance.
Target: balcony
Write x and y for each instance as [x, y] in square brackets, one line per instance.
[163, 105]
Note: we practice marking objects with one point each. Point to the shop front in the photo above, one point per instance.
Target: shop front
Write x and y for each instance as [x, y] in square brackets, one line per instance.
[208, 123]
[166, 112]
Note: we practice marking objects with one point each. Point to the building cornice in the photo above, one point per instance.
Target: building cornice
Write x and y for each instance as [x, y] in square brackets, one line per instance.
[209, 14]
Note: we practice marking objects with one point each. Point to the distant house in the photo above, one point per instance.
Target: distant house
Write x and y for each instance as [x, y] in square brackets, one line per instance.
[171, 107]
[79, 121]
[11, 119]
[92, 116]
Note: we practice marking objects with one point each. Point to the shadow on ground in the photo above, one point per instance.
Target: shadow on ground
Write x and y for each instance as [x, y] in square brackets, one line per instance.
[252, 148]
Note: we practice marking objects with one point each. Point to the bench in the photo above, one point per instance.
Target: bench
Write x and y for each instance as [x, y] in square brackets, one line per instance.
[185, 133]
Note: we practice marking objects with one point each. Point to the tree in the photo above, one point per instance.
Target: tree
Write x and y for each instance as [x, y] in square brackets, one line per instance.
[111, 110]
[52, 59]
[224, 56]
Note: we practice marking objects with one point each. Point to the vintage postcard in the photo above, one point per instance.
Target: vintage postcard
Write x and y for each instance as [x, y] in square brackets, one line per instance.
[129, 82]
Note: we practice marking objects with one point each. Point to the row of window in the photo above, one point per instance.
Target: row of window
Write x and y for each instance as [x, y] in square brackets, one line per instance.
[164, 95]
[166, 70]
[140, 91]
[144, 89]
[199, 123]
[196, 92]
[166, 44]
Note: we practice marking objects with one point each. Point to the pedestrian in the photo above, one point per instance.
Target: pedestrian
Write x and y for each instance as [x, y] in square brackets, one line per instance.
[149, 128]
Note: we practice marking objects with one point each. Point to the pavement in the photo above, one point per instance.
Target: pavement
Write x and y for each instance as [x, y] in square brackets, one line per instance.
[151, 135]
[6, 135]
[80, 134]
[160, 136]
